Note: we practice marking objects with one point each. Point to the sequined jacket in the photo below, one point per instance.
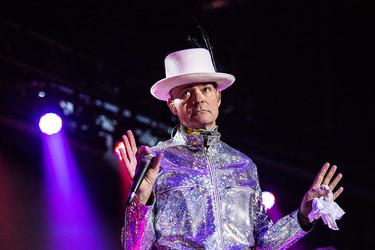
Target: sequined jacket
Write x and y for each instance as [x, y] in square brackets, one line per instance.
[206, 196]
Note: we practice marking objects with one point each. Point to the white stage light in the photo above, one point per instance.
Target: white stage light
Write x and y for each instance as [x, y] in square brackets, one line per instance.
[50, 123]
[268, 199]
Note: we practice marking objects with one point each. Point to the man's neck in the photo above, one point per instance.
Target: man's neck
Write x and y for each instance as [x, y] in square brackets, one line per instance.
[197, 131]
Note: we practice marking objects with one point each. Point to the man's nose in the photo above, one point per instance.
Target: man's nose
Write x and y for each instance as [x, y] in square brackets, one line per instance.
[197, 97]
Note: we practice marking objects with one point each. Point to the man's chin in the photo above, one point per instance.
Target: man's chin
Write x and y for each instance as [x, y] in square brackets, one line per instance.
[201, 123]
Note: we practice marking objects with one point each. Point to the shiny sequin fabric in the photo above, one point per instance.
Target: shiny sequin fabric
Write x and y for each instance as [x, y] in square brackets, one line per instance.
[206, 196]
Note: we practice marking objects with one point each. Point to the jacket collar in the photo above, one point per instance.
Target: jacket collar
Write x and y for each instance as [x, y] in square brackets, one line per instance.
[197, 139]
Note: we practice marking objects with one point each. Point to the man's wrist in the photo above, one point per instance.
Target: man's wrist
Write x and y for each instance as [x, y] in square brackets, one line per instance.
[304, 222]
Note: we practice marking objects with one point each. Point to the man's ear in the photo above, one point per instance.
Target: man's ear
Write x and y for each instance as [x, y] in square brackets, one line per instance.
[219, 97]
[172, 106]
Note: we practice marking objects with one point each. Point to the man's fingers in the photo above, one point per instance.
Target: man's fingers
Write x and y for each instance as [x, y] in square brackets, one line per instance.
[329, 175]
[319, 178]
[325, 176]
[154, 170]
[129, 152]
[124, 156]
[157, 160]
[337, 193]
[131, 139]
[335, 181]
[144, 150]
[131, 171]
[128, 148]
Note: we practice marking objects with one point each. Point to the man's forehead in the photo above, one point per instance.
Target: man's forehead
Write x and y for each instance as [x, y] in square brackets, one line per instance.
[190, 85]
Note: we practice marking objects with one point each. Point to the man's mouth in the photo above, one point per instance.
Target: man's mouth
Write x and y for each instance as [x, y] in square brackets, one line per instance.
[194, 112]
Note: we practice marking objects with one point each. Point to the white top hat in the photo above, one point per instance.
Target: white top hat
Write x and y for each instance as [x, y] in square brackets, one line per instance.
[189, 66]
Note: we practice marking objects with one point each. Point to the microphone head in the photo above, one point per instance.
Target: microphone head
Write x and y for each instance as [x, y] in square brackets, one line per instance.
[147, 157]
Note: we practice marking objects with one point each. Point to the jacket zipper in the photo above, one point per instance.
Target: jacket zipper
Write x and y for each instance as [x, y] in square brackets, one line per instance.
[216, 197]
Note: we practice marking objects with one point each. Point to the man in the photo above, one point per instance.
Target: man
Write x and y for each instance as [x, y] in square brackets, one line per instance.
[200, 193]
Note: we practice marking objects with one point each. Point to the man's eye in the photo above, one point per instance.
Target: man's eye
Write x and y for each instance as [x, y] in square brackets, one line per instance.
[206, 89]
[185, 93]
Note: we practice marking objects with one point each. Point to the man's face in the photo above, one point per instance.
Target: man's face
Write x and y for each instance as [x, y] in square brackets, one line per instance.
[196, 105]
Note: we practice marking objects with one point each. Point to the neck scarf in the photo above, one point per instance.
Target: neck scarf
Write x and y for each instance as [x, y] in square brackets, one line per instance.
[199, 138]
[194, 131]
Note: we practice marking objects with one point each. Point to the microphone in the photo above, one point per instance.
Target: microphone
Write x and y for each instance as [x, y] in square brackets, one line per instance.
[146, 163]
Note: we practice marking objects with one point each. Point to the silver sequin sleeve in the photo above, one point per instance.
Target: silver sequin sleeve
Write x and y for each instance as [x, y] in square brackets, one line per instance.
[139, 231]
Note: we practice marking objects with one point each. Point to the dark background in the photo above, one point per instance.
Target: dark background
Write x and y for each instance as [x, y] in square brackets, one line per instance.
[303, 96]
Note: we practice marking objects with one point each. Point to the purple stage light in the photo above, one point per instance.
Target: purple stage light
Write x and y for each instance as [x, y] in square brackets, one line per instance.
[50, 123]
[268, 200]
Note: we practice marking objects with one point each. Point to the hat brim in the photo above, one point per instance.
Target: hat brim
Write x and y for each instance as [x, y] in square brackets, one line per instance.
[161, 89]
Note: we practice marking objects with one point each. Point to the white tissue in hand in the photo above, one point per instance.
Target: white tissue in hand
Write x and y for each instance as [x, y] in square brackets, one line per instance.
[327, 209]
